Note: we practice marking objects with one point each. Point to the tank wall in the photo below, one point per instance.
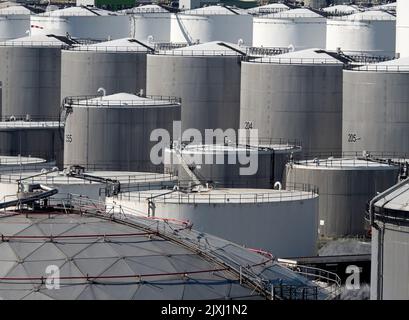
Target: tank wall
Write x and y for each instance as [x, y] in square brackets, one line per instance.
[229, 28]
[115, 138]
[208, 86]
[31, 82]
[287, 229]
[374, 37]
[393, 263]
[14, 26]
[375, 112]
[302, 34]
[47, 25]
[83, 73]
[294, 102]
[402, 28]
[343, 195]
[154, 24]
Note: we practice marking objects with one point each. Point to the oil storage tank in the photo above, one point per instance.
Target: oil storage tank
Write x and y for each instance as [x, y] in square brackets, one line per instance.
[207, 79]
[149, 21]
[370, 32]
[402, 28]
[283, 222]
[212, 23]
[296, 96]
[113, 132]
[375, 108]
[389, 218]
[299, 28]
[221, 164]
[82, 22]
[345, 185]
[14, 22]
[30, 72]
[116, 66]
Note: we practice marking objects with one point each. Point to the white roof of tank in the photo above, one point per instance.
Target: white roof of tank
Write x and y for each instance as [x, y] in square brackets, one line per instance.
[220, 148]
[269, 7]
[148, 8]
[294, 14]
[16, 160]
[118, 45]
[215, 10]
[308, 56]
[396, 65]
[11, 10]
[213, 48]
[77, 11]
[121, 100]
[397, 200]
[34, 41]
[224, 196]
[341, 8]
[387, 6]
[11, 125]
[343, 164]
[370, 15]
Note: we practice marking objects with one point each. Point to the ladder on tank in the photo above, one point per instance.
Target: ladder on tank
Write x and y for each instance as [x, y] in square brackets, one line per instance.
[198, 185]
[184, 31]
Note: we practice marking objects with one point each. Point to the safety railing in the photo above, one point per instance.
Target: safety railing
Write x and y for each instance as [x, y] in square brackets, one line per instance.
[262, 11]
[205, 12]
[107, 48]
[100, 101]
[344, 163]
[380, 68]
[360, 17]
[287, 15]
[142, 11]
[41, 44]
[315, 61]
[319, 154]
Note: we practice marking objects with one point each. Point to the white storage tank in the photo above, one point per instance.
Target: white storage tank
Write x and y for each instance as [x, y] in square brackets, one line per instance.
[82, 23]
[14, 22]
[370, 32]
[389, 216]
[295, 96]
[345, 185]
[299, 28]
[207, 79]
[402, 28]
[113, 132]
[30, 72]
[116, 66]
[220, 164]
[149, 22]
[210, 24]
[283, 222]
[375, 108]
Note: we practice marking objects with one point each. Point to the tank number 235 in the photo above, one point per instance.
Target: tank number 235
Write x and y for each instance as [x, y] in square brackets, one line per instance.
[352, 138]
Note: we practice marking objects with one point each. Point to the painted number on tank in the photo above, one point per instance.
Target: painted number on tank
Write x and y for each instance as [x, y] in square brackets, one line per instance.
[248, 125]
[352, 137]
[68, 138]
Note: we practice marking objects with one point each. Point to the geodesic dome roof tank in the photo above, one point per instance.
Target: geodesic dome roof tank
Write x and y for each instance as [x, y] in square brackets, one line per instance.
[116, 66]
[113, 132]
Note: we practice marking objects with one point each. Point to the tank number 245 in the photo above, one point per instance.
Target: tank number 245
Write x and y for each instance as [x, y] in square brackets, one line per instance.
[352, 138]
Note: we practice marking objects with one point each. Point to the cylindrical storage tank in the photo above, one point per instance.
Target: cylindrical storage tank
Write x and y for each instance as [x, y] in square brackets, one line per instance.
[369, 32]
[402, 28]
[30, 72]
[113, 132]
[207, 79]
[375, 109]
[283, 222]
[295, 96]
[223, 165]
[150, 22]
[14, 22]
[268, 8]
[341, 10]
[36, 139]
[82, 23]
[298, 28]
[212, 23]
[344, 186]
[116, 66]
[390, 245]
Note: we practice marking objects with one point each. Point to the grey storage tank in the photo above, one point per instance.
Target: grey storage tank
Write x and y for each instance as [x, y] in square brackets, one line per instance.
[113, 132]
[389, 217]
[116, 66]
[30, 69]
[207, 79]
[344, 186]
[375, 108]
[296, 96]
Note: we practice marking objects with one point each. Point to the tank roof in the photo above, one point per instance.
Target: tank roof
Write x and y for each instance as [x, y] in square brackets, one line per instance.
[17, 160]
[148, 8]
[15, 125]
[342, 164]
[294, 14]
[396, 65]
[36, 41]
[117, 45]
[341, 8]
[15, 10]
[225, 196]
[309, 56]
[397, 200]
[220, 148]
[216, 10]
[126, 259]
[370, 15]
[213, 48]
[78, 11]
[121, 100]
[269, 7]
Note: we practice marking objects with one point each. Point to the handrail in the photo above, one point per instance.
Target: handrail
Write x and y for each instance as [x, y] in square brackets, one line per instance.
[96, 100]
